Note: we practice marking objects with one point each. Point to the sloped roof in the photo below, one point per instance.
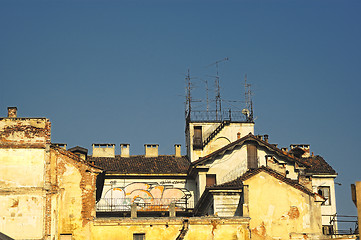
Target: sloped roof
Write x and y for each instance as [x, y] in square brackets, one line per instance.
[249, 137]
[250, 173]
[5, 237]
[139, 164]
[318, 165]
[74, 157]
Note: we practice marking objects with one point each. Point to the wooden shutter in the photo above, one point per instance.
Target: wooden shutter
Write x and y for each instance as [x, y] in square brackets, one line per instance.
[197, 139]
[210, 180]
[252, 160]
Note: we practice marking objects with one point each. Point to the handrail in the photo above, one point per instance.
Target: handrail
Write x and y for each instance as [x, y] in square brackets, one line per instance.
[143, 204]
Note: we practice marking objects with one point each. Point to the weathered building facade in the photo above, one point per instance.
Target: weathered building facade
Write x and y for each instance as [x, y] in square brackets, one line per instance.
[231, 184]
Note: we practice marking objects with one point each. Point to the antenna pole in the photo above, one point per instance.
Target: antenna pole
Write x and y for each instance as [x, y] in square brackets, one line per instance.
[248, 99]
[188, 96]
[218, 90]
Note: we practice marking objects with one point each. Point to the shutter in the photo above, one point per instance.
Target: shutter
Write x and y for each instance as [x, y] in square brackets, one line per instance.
[210, 180]
[197, 139]
[252, 161]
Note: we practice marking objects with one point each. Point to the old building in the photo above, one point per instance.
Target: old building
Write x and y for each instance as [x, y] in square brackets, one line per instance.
[46, 192]
[232, 184]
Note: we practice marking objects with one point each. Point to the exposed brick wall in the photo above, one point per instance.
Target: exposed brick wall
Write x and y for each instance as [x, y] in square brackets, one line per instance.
[25, 132]
[87, 183]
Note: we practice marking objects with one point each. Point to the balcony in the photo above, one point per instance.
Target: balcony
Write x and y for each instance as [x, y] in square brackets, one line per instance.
[121, 207]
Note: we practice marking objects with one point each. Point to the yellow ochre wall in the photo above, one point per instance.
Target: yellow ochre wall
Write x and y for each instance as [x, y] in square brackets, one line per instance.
[280, 211]
[164, 229]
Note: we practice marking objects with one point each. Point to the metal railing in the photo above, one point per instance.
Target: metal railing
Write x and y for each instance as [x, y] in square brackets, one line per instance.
[143, 204]
[230, 115]
[342, 225]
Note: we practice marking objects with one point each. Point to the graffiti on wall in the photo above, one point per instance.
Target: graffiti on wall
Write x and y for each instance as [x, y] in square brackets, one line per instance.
[147, 196]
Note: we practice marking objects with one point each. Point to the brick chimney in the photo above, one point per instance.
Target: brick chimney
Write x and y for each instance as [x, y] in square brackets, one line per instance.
[151, 150]
[124, 150]
[12, 112]
[177, 149]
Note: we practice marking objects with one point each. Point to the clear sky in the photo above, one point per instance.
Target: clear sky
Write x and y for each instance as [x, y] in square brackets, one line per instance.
[113, 71]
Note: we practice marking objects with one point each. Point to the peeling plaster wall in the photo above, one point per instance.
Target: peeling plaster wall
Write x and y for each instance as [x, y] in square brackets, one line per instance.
[28, 132]
[278, 215]
[166, 228]
[24, 177]
[76, 195]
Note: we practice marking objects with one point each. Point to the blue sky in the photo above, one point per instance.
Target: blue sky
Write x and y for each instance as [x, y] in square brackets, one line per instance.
[113, 71]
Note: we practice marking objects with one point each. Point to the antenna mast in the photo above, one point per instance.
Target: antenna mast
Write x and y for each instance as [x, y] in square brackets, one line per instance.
[218, 89]
[188, 105]
[248, 100]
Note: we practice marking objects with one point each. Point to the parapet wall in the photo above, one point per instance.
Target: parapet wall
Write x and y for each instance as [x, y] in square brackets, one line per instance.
[24, 132]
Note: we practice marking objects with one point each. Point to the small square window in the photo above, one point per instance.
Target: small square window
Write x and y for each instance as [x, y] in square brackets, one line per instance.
[138, 236]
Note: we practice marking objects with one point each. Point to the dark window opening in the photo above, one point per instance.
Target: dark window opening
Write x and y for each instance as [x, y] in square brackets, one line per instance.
[252, 160]
[138, 236]
[210, 180]
[327, 229]
[197, 138]
[325, 192]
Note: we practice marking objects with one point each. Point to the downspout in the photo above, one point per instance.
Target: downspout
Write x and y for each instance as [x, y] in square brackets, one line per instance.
[184, 229]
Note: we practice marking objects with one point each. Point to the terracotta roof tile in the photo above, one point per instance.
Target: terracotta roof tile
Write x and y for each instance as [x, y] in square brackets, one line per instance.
[139, 164]
[239, 181]
[318, 165]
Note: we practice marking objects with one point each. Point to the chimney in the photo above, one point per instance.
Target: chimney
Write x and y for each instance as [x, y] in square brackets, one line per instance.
[12, 112]
[284, 149]
[103, 150]
[80, 152]
[304, 147]
[124, 150]
[61, 145]
[177, 148]
[151, 150]
[265, 137]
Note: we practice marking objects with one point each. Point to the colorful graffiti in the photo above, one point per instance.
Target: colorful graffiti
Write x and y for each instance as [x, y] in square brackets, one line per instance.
[147, 196]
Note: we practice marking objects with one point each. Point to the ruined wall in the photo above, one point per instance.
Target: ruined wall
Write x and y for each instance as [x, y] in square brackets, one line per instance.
[76, 196]
[168, 228]
[24, 132]
[23, 177]
[290, 212]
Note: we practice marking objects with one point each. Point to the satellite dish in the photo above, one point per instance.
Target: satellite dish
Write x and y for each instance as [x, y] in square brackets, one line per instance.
[245, 111]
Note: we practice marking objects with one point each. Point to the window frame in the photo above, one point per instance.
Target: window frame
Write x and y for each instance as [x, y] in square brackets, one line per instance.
[321, 190]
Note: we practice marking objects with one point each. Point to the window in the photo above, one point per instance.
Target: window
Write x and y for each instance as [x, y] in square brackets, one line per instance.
[325, 192]
[138, 236]
[65, 236]
[210, 180]
[252, 160]
[327, 229]
[197, 138]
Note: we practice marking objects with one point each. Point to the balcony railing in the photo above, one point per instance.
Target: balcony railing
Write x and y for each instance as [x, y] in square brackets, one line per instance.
[219, 116]
[146, 205]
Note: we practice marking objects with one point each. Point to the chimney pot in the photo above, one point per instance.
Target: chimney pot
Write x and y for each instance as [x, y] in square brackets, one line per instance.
[104, 150]
[151, 150]
[177, 148]
[265, 137]
[12, 112]
[124, 150]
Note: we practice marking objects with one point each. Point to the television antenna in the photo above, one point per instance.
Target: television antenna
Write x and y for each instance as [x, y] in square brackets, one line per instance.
[218, 89]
